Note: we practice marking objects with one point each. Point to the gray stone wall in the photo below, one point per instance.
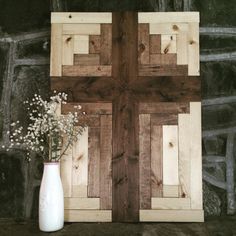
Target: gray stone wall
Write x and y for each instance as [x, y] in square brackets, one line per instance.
[24, 70]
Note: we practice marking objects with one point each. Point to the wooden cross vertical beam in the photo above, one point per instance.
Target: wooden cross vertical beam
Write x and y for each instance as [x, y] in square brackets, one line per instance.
[125, 161]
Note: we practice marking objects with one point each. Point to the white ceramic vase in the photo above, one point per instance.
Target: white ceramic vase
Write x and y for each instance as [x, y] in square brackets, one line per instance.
[51, 199]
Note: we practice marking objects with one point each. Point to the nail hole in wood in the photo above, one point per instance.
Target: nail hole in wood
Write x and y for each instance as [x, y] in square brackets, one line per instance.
[70, 16]
[171, 144]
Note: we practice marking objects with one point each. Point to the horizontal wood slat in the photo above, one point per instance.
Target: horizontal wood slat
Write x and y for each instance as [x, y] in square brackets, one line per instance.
[82, 29]
[164, 119]
[171, 203]
[168, 28]
[81, 203]
[86, 59]
[163, 59]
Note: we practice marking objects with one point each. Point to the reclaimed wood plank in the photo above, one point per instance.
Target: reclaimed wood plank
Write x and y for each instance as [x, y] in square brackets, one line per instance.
[87, 215]
[184, 154]
[80, 191]
[156, 160]
[145, 161]
[106, 44]
[163, 59]
[162, 70]
[172, 215]
[171, 203]
[166, 17]
[81, 17]
[171, 191]
[94, 162]
[195, 155]
[164, 119]
[81, 203]
[94, 44]
[182, 48]
[86, 70]
[86, 59]
[81, 44]
[168, 28]
[105, 162]
[56, 50]
[67, 50]
[80, 161]
[143, 43]
[168, 43]
[155, 44]
[82, 29]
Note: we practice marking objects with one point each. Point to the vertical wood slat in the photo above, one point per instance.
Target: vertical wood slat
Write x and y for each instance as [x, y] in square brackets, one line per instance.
[145, 161]
[80, 164]
[56, 50]
[182, 48]
[94, 44]
[93, 162]
[156, 160]
[193, 49]
[168, 43]
[170, 155]
[67, 50]
[155, 44]
[184, 154]
[195, 155]
[143, 43]
[106, 44]
[105, 162]
[81, 44]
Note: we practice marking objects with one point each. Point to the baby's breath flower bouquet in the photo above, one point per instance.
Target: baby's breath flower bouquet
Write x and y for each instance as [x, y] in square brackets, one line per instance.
[49, 133]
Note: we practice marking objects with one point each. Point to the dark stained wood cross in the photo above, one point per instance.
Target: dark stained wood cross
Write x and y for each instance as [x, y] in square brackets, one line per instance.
[126, 89]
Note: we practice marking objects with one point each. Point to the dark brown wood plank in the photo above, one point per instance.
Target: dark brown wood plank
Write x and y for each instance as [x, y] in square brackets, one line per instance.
[88, 108]
[86, 59]
[143, 43]
[163, 108]
[94, 162]
[125, 162]
[163, 70]
[85, 89]
[106, 44]
[144, 161]
[167, 89]
[163, 59]
[105, 162]
[86, 70]
[155, 44]
[94, 44]
[156, 160]
[164, 119]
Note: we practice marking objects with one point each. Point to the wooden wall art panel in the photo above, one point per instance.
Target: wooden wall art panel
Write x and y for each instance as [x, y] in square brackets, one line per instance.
[136, 75]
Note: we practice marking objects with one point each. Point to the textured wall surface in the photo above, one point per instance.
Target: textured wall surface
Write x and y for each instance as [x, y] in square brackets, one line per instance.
[24, 70]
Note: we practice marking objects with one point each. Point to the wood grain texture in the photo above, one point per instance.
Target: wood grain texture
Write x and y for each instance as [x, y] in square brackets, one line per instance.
[105, 162]
[94, 44]
[168, 28]
[80, 191]
[168, 43]
[67, 50]
[125, 164]
[162, 70]
[155, 44]
[171, 203]
[145, 161]
[81, 44]
[106, 44]
[82, 203]
[143, 43]
[170, 191]
[93, 162]
[86, 59]
[156, 160]
[182, 48]
[164, 119]
[56, 50]
[82, 29]
[163, 59]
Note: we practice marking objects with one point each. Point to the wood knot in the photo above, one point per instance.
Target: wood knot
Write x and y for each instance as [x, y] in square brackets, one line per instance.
[141, 47]
[191, 42]
[175, 28]
[99, 68]
[92, 42]
[183, 195]
[70, 16]
[68, 39]
[171, 144]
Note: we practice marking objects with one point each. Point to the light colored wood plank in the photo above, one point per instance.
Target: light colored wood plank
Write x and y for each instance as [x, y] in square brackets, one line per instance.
[81, 44]
[143, 43]
[193, 49]
[56, 50]
[86, 71]
[171, 215]
[82, 29]
[195, 155]
[182, 48]
[170, 155]
[171, 191]
[184, 154]
[144, 161]
[67, 50]
[88, 216]
[86, 59]
[81, 203]
[168, 28]
[80, 160]
[81, 17]
[156, 160]
[168, 43]
[79, 191]
[105, 162]
[166, 17]
[94, 162]
[171, 203]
